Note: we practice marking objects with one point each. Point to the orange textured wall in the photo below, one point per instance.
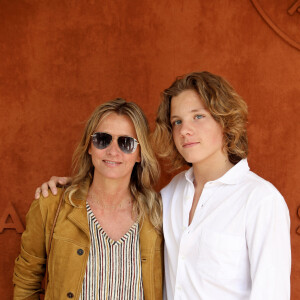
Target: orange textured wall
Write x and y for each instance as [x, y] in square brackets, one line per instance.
[59, 59]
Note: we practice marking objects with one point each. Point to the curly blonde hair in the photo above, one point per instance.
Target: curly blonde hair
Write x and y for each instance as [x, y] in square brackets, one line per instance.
[223, 103]
[144, 174]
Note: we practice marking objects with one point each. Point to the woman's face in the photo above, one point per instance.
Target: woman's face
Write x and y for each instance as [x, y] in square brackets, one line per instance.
[112, 162]
[197, 136]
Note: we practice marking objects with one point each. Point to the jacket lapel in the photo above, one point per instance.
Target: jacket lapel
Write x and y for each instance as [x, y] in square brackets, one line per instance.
[78, 214]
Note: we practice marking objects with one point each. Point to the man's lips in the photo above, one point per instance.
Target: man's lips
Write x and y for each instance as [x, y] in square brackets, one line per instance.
[189, 144]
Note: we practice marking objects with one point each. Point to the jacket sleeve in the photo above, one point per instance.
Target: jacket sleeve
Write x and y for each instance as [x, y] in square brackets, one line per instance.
[30, 264]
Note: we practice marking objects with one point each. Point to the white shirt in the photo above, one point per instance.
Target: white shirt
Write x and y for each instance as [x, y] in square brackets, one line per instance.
[237, 245]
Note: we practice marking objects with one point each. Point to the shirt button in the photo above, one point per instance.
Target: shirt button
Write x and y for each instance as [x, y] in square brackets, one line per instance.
[70, 295]
[80, 251]
[178, 287]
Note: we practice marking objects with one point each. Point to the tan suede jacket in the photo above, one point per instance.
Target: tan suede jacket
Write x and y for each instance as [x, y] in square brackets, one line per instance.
[70, 250]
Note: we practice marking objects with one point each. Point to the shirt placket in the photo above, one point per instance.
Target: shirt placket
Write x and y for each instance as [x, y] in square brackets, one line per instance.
[187, 239]
[187, 198]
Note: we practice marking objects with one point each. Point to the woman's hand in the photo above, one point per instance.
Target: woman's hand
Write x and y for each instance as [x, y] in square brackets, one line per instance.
[52, 184]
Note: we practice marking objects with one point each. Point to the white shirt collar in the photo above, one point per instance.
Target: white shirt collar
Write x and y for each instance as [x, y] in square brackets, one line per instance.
[233, 176]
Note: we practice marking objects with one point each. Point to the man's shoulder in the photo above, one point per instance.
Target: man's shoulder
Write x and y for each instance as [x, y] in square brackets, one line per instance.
[261, 193]
[260, 185]
[178, 179]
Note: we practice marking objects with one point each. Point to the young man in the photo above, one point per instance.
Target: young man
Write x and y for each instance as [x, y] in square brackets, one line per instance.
[226, 230]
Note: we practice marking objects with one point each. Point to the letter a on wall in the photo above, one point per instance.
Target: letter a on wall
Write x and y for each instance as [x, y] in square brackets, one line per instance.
[10, 212]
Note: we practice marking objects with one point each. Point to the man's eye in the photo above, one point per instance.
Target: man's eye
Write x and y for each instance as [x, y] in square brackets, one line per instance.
[176, 122]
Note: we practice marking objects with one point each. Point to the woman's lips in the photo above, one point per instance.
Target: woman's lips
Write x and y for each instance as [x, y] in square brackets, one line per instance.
[111, 163]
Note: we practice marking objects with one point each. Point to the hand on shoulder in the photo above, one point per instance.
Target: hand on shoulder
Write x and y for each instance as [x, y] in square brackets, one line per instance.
[52, 184]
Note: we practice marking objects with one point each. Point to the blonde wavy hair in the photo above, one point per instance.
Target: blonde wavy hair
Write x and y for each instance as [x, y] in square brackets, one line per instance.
[223, 103]
[144, 175]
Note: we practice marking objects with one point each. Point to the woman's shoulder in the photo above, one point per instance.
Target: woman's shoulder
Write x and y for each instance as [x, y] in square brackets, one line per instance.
[43, 208]
[50, 203]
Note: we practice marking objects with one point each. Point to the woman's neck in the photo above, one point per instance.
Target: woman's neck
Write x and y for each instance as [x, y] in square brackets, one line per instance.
[109, 192]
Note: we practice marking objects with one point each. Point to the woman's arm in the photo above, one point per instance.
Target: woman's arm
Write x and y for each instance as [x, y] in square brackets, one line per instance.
[30, 264]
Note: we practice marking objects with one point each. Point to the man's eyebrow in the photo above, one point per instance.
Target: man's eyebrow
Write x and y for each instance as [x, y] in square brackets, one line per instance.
[173, 117]
[192, 111]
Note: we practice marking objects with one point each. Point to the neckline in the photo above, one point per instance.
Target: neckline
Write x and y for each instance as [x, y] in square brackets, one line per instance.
[103, 232]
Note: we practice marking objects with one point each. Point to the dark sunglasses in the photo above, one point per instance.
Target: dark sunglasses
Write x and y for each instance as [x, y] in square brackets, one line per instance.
[102, 140]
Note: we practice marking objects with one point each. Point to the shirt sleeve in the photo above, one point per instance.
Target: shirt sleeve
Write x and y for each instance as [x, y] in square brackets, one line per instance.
[29, 267]
[268, 241]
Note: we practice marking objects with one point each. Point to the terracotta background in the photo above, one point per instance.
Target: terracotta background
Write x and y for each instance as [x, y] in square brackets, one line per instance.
[59, 59]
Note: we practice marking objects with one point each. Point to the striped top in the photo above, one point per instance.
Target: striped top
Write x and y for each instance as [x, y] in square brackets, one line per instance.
[113, 269]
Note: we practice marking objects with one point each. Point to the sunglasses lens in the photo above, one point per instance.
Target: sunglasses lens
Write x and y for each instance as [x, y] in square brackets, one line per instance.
[127, 144]
[101, 140]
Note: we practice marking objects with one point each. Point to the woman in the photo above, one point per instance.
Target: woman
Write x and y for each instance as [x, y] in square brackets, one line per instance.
[107, 242]
[226, 229]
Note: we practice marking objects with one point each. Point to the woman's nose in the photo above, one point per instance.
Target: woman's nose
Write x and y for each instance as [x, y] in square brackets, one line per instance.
[113, 147]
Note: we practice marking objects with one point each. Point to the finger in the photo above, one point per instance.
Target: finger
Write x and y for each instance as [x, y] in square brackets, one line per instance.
[54, 178]
[63, 180]
[44, 188]
[37, 193]
[52, 185]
